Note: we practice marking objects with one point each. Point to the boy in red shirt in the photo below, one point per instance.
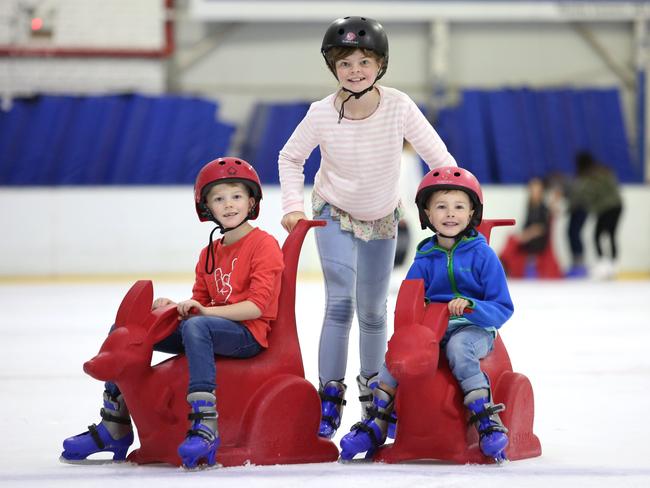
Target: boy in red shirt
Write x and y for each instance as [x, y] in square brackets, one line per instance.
[234, 299]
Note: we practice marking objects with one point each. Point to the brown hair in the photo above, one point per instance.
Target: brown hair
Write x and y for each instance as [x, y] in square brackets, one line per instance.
[337, 53]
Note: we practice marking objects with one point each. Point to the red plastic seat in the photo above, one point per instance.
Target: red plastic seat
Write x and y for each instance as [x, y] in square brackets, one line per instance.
[514, 260]
[432, 420]
[268, 412]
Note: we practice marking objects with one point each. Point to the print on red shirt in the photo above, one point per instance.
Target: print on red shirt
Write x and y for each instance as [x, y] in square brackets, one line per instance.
[222, 282]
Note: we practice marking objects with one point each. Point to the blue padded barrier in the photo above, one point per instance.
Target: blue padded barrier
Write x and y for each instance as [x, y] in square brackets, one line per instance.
[508, 136]
[118, 139]
[270, 127]
[464, 131]
[512, 135]
[503, 136]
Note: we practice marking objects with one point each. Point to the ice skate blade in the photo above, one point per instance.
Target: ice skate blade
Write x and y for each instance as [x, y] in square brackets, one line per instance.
[92, 462]
[361, 460]
[367, 457]
[201, 467]
[501, 460]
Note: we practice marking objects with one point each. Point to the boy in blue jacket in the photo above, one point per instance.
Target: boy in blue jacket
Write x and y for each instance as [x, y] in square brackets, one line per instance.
[460, 269]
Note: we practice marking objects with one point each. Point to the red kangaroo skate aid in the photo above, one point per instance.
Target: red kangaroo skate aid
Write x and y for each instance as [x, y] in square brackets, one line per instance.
[432, 420]
[268, 412]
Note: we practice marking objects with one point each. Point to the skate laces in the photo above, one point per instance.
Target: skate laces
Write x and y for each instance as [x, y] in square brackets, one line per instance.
[326, 397]
[200, 429]
[366, 385]
[485, 421]
[197, 416]
[110, 409]
[374, 413]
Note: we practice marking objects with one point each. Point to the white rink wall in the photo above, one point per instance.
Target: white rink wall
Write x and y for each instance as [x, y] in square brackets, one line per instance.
[52, 232]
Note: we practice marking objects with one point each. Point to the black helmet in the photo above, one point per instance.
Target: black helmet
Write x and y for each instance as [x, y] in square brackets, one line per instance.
[357, 32]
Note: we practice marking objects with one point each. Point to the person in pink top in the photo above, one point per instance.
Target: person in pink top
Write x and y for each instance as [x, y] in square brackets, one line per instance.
[360, 129]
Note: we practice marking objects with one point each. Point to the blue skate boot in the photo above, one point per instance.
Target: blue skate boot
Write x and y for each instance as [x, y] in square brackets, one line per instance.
[113, 434]
[332, 397]
[368, 435]
[202, 439]
[577, 271]
[485, 416]
[366, 387]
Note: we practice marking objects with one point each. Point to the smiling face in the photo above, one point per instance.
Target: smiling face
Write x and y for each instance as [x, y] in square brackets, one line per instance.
[230, 203]
[449, 211]
[357, 71]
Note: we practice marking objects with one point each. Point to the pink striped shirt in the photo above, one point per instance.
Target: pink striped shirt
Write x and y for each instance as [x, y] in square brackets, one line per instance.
[360, 159]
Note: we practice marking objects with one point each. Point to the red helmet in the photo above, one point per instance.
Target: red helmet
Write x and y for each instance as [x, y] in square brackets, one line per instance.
[449, 178]
[226, 170]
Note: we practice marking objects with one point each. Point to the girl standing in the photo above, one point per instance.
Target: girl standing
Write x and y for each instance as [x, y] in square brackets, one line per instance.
[360, 129]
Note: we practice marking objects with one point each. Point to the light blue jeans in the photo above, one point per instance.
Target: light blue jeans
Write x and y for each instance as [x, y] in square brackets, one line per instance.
[201, 338]
[357, 276]
[464, 347]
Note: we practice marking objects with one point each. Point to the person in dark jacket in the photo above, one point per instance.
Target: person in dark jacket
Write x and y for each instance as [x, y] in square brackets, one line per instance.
[597, 186]
[519, 256]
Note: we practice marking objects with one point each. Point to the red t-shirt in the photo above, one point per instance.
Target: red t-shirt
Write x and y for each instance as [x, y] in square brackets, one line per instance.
[250, 269]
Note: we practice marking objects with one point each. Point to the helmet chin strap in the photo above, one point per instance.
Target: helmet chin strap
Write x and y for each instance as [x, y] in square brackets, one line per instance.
[223, 229]
[466, 232]
[210, 260]
[356, 95]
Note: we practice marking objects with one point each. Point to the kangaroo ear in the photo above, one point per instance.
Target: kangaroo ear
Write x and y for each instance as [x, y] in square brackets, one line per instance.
[162, 322]
[409, 308]
[136, 305]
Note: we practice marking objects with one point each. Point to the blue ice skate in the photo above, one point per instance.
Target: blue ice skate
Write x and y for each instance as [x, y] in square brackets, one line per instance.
[332, 402]
[576, 271]
[96, 439]
[113, 434]
[493, 437]
[202, 440]
[368, 435]
[366, 387]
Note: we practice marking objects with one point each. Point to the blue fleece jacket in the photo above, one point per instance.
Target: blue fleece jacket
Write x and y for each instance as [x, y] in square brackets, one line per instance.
[470, 270]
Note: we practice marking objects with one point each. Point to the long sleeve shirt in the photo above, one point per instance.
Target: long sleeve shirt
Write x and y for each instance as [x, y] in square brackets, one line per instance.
[249, 269]
[360, 159]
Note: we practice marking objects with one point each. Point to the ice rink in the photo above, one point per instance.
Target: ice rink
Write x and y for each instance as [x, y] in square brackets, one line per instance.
[584, 346]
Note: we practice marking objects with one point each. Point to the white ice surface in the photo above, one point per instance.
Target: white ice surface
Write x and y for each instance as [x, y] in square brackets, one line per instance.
[584, 346]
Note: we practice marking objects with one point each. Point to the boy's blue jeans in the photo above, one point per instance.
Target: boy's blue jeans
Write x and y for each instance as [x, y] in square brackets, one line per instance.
[464, 347]
[357, 275]
[200, 338]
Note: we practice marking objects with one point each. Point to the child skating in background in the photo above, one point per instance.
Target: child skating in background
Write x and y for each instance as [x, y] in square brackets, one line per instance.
[460, 269]
[234, 299]
[360, 129]
[519, 255]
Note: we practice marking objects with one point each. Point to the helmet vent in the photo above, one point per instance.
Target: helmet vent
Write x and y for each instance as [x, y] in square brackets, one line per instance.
[362, 33]
[222, 163]
[341, 32]
[437, 173]
[363, 18]
[237, 161]
[456, 173]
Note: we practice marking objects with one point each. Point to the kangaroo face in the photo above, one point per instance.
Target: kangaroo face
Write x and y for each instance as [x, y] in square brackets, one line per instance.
[124, 349]
[412, 351]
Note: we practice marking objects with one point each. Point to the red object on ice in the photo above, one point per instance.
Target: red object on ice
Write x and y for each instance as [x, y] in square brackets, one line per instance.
[514, 260]
[268, 412]
[432, 420]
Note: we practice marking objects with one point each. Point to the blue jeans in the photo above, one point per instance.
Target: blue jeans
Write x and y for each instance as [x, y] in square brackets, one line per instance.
[464, 346]
[357, 275]
[200, 338]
